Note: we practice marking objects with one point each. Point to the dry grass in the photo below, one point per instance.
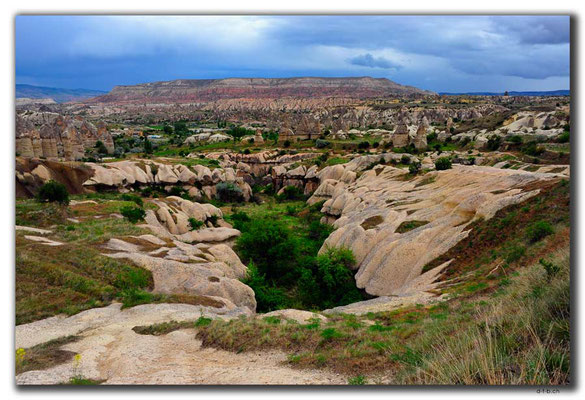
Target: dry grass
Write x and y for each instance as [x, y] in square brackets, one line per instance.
[45, 355]
[464, 341]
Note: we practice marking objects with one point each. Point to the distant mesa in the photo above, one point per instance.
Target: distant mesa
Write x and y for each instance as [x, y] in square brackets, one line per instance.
[58, 95]
[207, 90]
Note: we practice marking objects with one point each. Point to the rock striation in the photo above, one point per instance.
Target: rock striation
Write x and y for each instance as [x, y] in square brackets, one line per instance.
[370, 215]
[204, 90]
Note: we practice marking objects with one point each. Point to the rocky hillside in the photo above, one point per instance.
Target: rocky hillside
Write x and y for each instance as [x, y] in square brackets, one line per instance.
[206, 90]
[51, 135]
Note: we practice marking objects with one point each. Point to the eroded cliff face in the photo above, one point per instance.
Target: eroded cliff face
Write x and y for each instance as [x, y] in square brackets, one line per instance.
[51, 135]
[204, 90]
[396, 224]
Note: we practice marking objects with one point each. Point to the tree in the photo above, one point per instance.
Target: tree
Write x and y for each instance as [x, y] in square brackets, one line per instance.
[331, 281]
[168, 129]
[270, 245]
[442, 163]
[147, 146]
[181, 128]
[101, 147]
[53, 191]
[237, 132]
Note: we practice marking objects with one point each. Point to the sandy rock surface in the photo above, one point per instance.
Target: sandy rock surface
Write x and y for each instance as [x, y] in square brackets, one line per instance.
[112, 352]
[368, 212]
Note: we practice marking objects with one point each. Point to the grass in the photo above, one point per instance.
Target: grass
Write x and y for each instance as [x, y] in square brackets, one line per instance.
[74, 276]
[481, 340]
[476, 336]
[45, 355]
[410, 225]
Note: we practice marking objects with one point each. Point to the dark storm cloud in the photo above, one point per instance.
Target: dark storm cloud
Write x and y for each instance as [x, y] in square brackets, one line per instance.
[441, 53]
[367, 60]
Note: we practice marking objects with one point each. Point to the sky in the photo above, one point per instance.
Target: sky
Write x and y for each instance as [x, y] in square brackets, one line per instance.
[438, 53]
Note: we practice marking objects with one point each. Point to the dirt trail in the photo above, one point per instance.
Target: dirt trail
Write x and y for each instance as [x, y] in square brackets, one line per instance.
[112, 352]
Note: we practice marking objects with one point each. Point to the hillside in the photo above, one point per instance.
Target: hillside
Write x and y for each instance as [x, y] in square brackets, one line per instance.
[60, 95]
[205, 90]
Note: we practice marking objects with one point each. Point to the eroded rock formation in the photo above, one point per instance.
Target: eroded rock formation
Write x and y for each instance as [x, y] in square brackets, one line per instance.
[51, 135]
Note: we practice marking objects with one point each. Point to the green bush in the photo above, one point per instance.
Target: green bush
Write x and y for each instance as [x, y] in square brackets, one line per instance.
[330, 281]
[132, 197]
[442, 163]
[320, 144]
[195, 224]
[291, 193]
[515, 139]
[269, 244]
[532, 149]
[268, 297]
[101, 147]
[53, 191]
[239, 219]
[286, 143]
[364, 145]
[229, 192]
[133, 214]
[564, 137]
[318, 231]
[494, 143]
[538, 231]
[414, 168]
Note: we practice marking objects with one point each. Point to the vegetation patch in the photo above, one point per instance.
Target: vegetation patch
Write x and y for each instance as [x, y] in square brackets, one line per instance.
[163, 328]
[410, 225]
[372, 222]
[44, 355]
[472, 340]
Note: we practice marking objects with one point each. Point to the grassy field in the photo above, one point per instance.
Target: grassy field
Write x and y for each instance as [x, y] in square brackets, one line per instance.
[76, 276]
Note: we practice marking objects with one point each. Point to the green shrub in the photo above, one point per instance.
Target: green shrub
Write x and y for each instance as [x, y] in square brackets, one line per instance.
[494, 143]
[286, 143]
[357, 380]
[213, 219]
[268, 297]
[133, 214]
[405, 160]
[239, 219]
[538, 231]
[551, 269]
[564, 137]
[318, 231]
[202, 321]
[291, 193]
[442, 163]
[532, 149]
[514, 253]
[132, 197]
[330, 281]
[195, 224]
[229, 192]
[101, 147]
[320, 144]
[515, 139]
[269, 244]
[414, 168]
[364, 145]
[53, 191]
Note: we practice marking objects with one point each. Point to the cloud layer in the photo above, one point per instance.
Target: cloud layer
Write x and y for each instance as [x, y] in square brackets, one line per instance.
[440, 53]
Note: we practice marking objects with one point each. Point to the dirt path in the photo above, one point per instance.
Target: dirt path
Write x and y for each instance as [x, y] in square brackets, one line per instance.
[112, 352]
